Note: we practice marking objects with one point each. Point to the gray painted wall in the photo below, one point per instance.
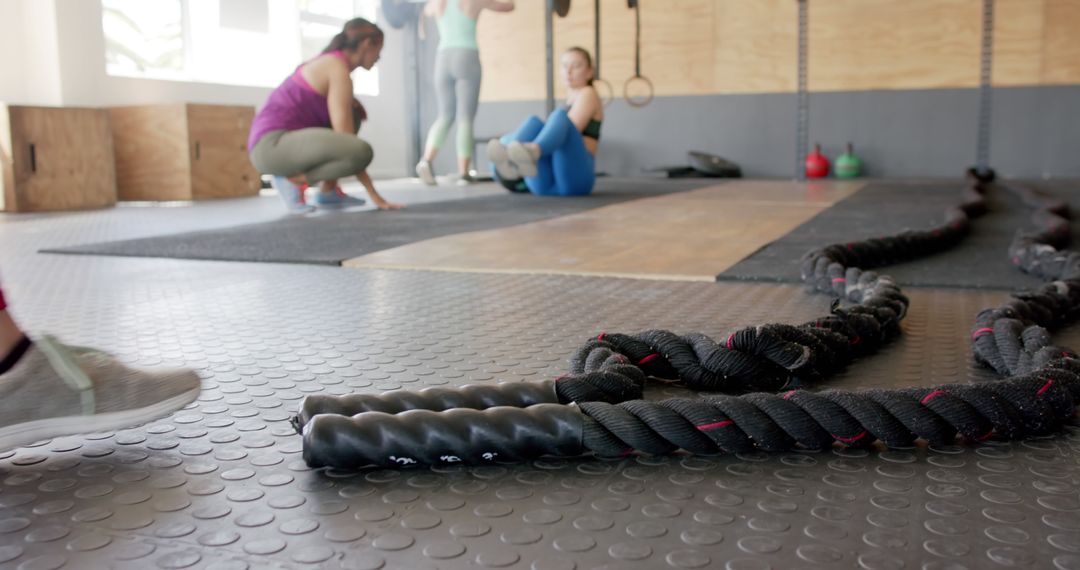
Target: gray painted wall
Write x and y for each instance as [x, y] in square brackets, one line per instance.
[925, 133]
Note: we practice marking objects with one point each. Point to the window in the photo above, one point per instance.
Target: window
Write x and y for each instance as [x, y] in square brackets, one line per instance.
[234, 42]
[143, 37]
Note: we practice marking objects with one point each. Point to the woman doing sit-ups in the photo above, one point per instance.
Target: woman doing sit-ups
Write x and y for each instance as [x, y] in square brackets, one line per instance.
[557, 158]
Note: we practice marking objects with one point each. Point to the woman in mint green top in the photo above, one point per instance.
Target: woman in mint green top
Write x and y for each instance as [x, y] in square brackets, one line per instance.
[457, 78]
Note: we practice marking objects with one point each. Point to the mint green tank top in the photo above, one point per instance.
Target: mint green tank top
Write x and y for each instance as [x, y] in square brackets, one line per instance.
[456, 30]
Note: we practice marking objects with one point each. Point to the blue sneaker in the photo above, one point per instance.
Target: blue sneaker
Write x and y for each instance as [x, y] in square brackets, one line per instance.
[337, 199]
[292, 195]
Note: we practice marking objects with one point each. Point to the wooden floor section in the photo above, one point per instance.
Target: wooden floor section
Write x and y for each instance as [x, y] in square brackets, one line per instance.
[690, 236]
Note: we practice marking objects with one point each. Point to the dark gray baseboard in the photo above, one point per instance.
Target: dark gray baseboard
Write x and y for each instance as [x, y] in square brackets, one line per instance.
[917, 133]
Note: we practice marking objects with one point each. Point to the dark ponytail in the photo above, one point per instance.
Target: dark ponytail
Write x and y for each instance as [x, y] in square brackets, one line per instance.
[585, 54]
[353, 34]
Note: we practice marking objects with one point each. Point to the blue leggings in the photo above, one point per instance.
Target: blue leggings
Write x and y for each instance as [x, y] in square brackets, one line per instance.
[566, 167]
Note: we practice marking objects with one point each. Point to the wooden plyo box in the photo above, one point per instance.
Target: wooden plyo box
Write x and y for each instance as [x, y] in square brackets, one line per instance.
[55, 158]
[183, 151]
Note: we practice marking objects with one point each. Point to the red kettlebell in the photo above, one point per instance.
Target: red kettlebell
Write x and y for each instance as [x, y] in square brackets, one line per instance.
[817, 164]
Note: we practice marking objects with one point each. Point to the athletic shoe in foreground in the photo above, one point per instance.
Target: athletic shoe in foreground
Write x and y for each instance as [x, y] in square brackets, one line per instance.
[56, 390]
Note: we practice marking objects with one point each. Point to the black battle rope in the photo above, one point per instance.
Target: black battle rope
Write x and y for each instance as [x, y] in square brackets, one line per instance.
[608, 375]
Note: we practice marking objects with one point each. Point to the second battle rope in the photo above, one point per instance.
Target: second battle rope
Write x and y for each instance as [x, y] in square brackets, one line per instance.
[608, 375]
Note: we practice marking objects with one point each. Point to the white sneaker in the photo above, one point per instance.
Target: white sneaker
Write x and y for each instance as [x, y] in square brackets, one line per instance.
[425, 172]
[498, 156]
[56, 390]
[523, 159]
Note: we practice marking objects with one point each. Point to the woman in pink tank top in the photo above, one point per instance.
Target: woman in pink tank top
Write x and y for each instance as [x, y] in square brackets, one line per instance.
[306, 132]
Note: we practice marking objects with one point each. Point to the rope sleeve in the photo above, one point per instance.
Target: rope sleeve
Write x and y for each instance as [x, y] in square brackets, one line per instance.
[424, 437]
[478, 397]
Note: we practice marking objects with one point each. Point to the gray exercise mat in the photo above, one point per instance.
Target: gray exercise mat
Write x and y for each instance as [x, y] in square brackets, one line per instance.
[980, 261]
[331, 239]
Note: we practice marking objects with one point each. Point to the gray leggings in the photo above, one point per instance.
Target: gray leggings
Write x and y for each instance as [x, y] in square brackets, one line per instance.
[457, 87]
[318, 153]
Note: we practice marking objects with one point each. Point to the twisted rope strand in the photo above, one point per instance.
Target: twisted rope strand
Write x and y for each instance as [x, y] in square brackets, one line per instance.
[1035, 404]
[1042, 392]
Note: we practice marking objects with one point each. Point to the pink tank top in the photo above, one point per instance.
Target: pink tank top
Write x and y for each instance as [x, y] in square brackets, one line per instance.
[293, 105]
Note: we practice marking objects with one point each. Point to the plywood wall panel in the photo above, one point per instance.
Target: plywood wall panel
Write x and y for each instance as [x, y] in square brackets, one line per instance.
[512, 53]
[694, 47]
[677, 43]
[756, 45]
[1018, 42]
[1061, 43]
[885, 44]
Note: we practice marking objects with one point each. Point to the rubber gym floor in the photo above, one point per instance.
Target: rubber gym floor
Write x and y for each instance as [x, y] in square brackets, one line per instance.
[221, 484]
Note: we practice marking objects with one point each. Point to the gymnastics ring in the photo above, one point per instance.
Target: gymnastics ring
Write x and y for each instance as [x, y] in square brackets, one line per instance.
[636, 7]
[608, 89]
[637, 102]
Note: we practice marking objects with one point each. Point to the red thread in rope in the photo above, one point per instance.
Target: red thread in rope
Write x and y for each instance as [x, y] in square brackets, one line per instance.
[648, 359]
[1044, 388]
[981, 332]
[600, 337]
[628, 451]
[985, 436]
[561, 377]
[715, 425]
[931, 396]
[856, 340]
[851, 439]
[839, 280]
[729, 338]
